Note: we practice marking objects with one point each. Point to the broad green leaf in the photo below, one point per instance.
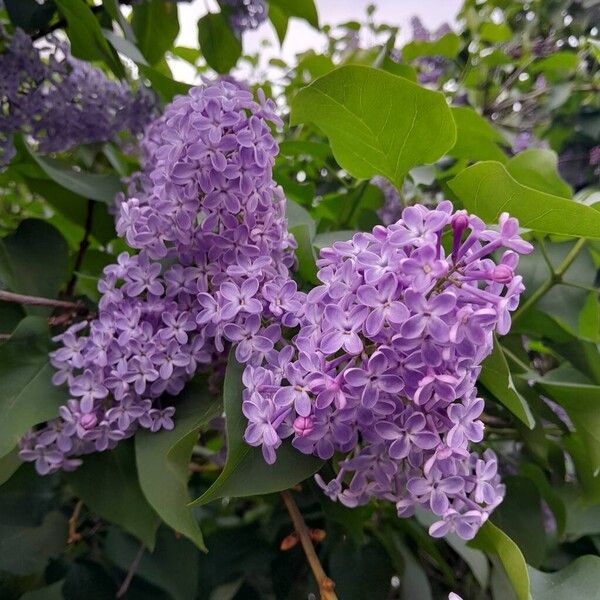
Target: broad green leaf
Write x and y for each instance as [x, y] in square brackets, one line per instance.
[124, 46]
[557, 61]
[163, 459]
[520, 517]
[29, 14]
[155, 25]
[26, 550]
[246, 473]
[579, 580]
[87, 40]
[112, 7]
[166, 87]
[108, 475]
[495, 32]
[34, 261]
[476, 139]
[447, 46]
[302, 148]
[280, 22]
[493, 540]
[88, 185]
[476, 559]
[400, 69]
[487, 189]
[589, 318]
[377, 123]
[538, 169]
[190, 55]
[9, 463]
[27, 395]
[303, 9]
[496, 377]
[172, 565]
[220, 47]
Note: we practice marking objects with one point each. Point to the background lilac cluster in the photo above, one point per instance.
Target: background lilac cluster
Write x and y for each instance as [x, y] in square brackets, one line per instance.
[245, 14]
[212, 268]
[60, 101]
[384, 365]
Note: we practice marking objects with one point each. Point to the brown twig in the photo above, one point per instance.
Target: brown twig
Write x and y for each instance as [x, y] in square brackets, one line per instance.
[38, 301]
[83, 246]
[74, 535]
[326, 585]
[131, 571]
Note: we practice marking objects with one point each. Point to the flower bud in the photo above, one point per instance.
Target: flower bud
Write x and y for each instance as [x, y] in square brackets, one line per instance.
[502, 274]
[88, 421]
[303, 426]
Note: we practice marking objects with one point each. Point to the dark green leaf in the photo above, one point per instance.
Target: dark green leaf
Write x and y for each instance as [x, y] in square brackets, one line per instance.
[163, 459]
[579, 580]
[246, 473]
[496, 377]
[166, 87]
[487, 189]
[8, 465]
[493, 540]
[377, 123]
[155, 25]
[109, 475]
[27, 395]
[50, 592]
[220, 47]
[29, 14]
[87, 40]
[303, 9]
[537, 168]
[280, 22]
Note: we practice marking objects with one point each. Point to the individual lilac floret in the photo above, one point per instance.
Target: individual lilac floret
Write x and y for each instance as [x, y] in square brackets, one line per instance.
[384, 365]
[60, 101]
[212, 271]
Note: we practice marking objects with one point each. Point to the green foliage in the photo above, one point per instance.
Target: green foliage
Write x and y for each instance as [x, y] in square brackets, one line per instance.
[219, 46]
[155, 25]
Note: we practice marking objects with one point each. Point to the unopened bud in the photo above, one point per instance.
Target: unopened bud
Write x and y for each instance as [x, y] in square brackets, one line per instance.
[502, 274]
[303, 426]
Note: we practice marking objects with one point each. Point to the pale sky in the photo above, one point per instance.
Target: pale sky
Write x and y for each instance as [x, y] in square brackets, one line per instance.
[301, 36]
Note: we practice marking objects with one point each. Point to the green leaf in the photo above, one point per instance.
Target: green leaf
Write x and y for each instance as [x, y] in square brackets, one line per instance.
[112, 7]
[495, 32]
[558, 61]
[377, 123]
[88, 185]
[190, 55]
[9, 464]
[34, 261]
[246, 473]
[476, 139]
[303, 9]
[87, 40]
[27, 395]
[325, 240]
[29, 14]
[589, 318]
[26, 550]
[301, 148]
[172, 566]
[166, 87]
[280, 22]
[493, 540]
[163, 459]
[537, 168]
[108, 475]
[220, 47]
[487, 189]
[50, 592]
[155, 25]
[496, 377]
[447, 46]
[124, 46]
[578, 580]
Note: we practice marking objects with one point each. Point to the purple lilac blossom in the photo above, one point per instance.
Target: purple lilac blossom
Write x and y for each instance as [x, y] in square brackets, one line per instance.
[431, 68]
[245, 15]
[392, 208]
[212, 269]
[60, 101]
[384, 365]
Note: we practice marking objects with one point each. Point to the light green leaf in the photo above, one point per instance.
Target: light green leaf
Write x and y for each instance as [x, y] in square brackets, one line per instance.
[589, 318]
[190, 55]
[155, 25]
[493, 540]
[557, 61]
[377, 123]
[447, 46]
[108, 475]
[163, 459]
[495, 32]
[166, 87]
[578, 580]
[487, 189]
[496, 377]
[476, 139]
[220, 47]
[246, 473]
[87, 40]
[89, 185]
[537, 168]
[124, 46]
[303, 9]
[27, 395]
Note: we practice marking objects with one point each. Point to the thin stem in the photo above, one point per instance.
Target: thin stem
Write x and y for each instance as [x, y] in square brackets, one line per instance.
[74, 536]
[545, 256]
[587, 288]
[554, 279]
[131, 571]
[36, 300]
[326, 585]
[83, 246]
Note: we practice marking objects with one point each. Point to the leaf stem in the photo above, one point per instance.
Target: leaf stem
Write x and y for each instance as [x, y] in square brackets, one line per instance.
[83, 246]
[326, 585]
[37, 300]
[131, 572]
[555, 278]
[74, 536]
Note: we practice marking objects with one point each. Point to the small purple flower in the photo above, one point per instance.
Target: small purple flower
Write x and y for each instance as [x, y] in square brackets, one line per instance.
[343, 329]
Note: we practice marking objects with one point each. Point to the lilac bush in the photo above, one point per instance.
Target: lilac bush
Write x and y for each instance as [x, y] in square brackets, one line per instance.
[383, 366]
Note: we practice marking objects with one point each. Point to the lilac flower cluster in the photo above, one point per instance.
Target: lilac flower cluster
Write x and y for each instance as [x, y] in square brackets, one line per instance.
[245, 14]
[212, 269]
[384, 365]
[61, 101]
[431, 68]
